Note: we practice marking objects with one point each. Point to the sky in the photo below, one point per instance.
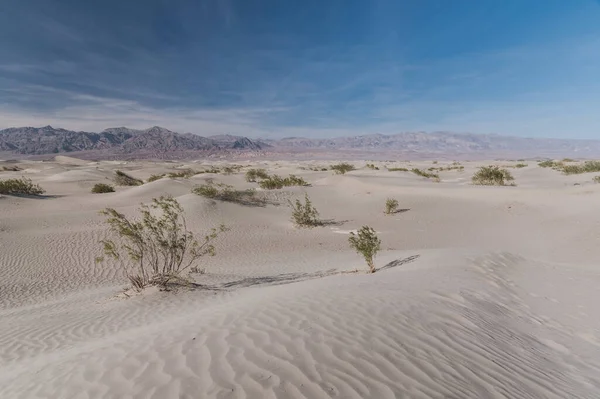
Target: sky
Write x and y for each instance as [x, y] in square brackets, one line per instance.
[312, 68]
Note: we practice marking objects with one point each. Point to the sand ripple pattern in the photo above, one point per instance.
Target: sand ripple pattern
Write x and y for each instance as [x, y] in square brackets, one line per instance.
[461, 332]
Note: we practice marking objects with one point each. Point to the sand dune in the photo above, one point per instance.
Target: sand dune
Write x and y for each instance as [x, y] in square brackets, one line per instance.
[482, 292]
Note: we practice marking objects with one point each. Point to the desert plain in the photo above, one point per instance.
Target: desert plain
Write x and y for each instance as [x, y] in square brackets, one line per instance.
[480, 292]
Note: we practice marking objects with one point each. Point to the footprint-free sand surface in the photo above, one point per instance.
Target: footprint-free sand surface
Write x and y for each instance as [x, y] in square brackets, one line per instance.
[481, 292]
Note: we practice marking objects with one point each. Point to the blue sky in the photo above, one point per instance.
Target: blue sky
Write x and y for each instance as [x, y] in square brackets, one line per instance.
[323, 68]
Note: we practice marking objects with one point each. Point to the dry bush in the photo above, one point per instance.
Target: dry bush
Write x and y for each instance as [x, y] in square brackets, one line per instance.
[391, 206]
[342, 168]
[304, 214]
[276, 182]
[102, 188]
[155, 177]
[184, 174]
[398, 169]
[547, 164]
[11, 168]
[423, 173]
[586, 167]
[492, 176]
[596, 179]
[123, 179]
[372, 166]
[158, 247]
[253, 175]
[22, 186]
[366, 243]
[227, 193]
[568, 160]
[521, 165]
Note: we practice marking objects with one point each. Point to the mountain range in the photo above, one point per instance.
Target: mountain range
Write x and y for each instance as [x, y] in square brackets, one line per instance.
[158, 142]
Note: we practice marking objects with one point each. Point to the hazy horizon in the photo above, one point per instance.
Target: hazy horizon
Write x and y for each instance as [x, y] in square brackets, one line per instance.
[273, 70]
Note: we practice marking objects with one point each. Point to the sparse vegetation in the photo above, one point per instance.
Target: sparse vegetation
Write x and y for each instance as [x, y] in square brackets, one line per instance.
[586, 167]
[184, 174]
[342, 168]
[398, 169]
[11, 168]
[158, 248]
[256, 174]
[423, 173]
[22, 186]
[227, 193]
[304, 214]
[596, 179]
[568, 160]
[123, 179]
[102, 188]
[372, 166]
[391, 206]
[521, 165]
[276, 182]
[155, 177]
[547, 164]
[492, 176]
[366, 243]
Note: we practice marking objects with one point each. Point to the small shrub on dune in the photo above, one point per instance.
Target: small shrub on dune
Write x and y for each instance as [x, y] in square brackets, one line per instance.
[391, 206]
[398, 169]
[22, 186]
[102, 188]
[492, 176]
[277, 182]
[256, 174]
[123, 179]
[342, 168]
[423, 173]
[227, 193]
[184, 174]
[11, 168]
[521, 165]
[568, 160]
[596, 179]
[547, 164]
[372, 166]
[156, 248]
[304, 214]
[366, 243]
[155, 177]
[586, 167]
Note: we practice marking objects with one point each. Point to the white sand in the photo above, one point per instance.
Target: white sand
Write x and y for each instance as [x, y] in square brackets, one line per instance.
[483, 292]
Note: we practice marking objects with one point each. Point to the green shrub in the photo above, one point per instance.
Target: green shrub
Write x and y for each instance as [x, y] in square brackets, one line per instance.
[123, 179]
[391, 206]
[184, 174]
[157, 248]
[22, 186]
[492, 176]
[568, 160]
[304, 214]
[521, 165]
[206, 190]
[366, 243]
[155, 177]
[255, 174]
[102, 188]
[342, 168]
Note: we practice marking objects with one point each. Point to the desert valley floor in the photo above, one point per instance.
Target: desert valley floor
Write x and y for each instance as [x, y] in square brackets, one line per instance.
[481, 292]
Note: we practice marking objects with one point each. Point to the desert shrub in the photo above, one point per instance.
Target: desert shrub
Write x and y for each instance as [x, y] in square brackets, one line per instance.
[123, 179]
[304, 214]
[434, 162]
[398, 169]
[158, 247]
[423, 173]
[547, 164]
[568, 160]
[155, 177]
[391, 206]
[366, 243]
[342, 168]
[586, 167]
[596, 179]
[276, 182]
[102, 188]
[491, 176]
[184, 174]
[11, 168]
[212, 169]
[22, 186]
[227, 193]
[372, 166]
[228, 170]
[255, 174]
[521, 165]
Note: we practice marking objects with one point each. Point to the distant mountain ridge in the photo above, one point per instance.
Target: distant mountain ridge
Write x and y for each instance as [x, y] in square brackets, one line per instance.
[123, 142]
[49, 140]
